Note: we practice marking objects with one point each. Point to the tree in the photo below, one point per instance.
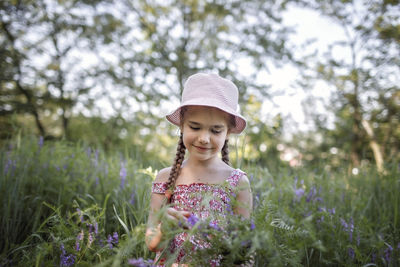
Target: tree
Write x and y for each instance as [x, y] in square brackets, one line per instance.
[143, 51]
[169, 41]
[41, 74]
[365, 102]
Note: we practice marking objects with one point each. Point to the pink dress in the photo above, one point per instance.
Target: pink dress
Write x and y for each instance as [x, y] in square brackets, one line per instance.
[190, 198]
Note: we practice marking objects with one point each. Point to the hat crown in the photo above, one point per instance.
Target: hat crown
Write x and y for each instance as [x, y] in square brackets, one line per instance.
[210, 90]
[211, 86]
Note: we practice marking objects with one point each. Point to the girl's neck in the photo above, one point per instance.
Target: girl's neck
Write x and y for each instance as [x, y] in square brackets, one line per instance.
[215, 171]
[203, 164]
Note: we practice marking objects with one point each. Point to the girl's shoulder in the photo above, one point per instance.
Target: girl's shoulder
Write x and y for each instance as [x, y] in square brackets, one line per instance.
[163, 175]
[237, 177]
[160, 182]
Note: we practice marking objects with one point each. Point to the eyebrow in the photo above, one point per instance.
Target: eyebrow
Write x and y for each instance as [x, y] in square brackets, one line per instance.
[218, 126]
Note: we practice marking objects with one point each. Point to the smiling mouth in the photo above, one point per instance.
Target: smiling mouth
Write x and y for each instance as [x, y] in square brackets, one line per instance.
[202, 148]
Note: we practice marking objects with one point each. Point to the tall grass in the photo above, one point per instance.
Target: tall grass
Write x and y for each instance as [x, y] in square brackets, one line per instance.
[65, 204]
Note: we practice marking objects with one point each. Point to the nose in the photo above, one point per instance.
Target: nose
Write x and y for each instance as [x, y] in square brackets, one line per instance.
[204, 137]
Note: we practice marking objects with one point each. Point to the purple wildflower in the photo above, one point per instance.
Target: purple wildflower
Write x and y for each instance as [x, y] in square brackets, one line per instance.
[88, 152]
[77, 246]
[90, 226]
[132, 199]
[41, 140]
[246, 243]
[252, 226]
[299, 193]
[351, 230]
[8, 164]
[332, 211]
[192, 220]
[140, 262]
[90, 239]
[109, 241]
[96, 228]
[311, 194]
[122, 174]
[115, 238]
[214, 225]
[112, 240]
[66, 259]
[344, 224]
[388, 253]
[351, 253]
[321, 209]
[229, 208]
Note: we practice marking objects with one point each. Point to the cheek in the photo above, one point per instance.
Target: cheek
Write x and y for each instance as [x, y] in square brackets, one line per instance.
[221, 140]
[187, 138]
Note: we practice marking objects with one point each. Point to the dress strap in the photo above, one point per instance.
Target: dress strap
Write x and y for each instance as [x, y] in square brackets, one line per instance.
[235, 176]
[158, 188]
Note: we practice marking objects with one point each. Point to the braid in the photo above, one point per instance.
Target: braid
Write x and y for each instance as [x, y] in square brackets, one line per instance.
[176, 167]
[225, 152]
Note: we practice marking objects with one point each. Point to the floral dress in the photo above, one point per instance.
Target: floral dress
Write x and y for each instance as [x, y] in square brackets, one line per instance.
[192, 198]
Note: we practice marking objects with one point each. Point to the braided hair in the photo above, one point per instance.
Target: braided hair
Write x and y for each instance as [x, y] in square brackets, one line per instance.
[176, 167]
[225, 153]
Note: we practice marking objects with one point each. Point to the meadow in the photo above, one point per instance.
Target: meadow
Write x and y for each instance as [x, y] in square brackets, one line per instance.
[68, 204]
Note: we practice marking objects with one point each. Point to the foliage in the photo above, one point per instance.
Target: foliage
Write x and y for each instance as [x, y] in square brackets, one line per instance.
[62, 56]
[41, 73]
[365, 97]
[64, 203]
[44, 179]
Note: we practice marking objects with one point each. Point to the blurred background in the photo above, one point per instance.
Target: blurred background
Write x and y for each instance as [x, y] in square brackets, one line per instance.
[318, 80]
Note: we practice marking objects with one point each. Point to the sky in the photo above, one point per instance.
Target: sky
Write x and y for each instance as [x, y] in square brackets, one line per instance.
[308, 25]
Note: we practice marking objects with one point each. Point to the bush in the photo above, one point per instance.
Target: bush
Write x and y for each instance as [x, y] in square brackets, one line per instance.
[65, 204]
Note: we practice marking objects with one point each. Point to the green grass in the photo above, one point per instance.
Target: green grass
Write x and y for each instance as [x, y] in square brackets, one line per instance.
[63, 201]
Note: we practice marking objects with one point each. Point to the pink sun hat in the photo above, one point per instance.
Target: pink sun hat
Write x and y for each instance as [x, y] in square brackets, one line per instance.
[210, 90]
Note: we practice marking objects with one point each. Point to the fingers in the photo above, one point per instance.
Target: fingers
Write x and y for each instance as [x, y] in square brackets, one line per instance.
[186, 213]
[177, 216]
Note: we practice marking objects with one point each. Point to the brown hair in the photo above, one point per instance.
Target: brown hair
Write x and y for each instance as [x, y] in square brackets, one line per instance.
[180, 155]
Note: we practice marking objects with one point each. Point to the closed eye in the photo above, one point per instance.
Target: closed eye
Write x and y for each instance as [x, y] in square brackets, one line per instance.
[194, 128]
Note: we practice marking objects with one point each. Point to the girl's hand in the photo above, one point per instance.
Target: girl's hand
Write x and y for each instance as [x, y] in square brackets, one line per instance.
[178, 217]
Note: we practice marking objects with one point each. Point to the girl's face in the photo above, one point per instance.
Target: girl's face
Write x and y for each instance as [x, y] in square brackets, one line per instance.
[205, 130]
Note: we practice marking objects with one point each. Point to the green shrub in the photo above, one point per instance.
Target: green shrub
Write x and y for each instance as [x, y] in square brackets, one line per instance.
[64, 203]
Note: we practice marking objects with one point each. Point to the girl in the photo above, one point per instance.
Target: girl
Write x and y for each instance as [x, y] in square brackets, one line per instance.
[206, 117]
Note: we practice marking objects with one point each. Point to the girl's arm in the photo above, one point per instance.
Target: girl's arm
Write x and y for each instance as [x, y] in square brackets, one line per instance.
[245, 207]
[153, 232]
[244, 198]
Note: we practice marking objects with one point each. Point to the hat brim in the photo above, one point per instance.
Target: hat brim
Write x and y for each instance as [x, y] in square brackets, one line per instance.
[240, 122]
